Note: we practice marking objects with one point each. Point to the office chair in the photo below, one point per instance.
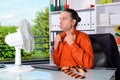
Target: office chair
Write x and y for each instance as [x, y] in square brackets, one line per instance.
[106, 52]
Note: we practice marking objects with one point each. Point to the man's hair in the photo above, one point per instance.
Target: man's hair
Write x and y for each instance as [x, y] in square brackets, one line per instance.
[74, 15]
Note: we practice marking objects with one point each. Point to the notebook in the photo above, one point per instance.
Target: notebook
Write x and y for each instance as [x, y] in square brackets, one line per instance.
[46, 66]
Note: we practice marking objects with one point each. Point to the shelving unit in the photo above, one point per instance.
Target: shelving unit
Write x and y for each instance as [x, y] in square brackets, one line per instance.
[105, 23]
[108, 10]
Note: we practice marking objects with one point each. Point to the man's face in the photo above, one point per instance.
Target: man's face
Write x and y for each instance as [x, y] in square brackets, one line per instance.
[66, 22]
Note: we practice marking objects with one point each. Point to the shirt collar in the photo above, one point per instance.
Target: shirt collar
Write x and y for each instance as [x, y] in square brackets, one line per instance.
[63, 34]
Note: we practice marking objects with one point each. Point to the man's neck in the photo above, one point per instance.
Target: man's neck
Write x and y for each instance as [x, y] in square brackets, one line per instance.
[70, 31]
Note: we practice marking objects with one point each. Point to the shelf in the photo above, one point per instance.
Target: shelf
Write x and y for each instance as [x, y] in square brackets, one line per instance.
[108, 4]
[55, 12]
[86, 9]
[77, 29]
[86, 29]
[105, 26]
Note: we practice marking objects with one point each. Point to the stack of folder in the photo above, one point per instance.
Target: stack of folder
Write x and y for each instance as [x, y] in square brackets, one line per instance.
[105, 1]
[58, 5]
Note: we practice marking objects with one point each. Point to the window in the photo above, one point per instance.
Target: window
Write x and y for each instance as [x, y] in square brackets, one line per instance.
[37, 13]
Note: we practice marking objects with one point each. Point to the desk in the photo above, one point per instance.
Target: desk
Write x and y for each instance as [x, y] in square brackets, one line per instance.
[41, 74]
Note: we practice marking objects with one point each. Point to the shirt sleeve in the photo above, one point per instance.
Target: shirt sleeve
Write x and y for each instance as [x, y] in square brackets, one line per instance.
[56, 55]
[82, 52]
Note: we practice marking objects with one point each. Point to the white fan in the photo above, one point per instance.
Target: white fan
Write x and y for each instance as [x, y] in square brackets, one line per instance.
[22, 39]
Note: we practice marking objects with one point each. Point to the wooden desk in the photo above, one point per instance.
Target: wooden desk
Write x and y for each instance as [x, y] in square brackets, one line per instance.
[41, 74]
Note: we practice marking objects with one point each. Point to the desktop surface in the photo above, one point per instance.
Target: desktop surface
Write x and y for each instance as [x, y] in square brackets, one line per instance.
[44, 74]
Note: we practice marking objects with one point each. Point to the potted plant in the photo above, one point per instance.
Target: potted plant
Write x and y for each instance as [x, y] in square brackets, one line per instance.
[117, 34]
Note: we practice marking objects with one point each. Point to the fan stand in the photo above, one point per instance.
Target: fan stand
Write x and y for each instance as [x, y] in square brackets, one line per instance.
[18, 67]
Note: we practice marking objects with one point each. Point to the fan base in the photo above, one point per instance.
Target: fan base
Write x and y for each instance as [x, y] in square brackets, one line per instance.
[20, 69]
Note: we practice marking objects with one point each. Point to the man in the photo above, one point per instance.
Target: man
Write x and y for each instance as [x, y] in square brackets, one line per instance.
[72, 47]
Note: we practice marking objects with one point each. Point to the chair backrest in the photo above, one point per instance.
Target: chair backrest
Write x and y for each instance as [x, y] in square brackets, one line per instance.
[105, 50]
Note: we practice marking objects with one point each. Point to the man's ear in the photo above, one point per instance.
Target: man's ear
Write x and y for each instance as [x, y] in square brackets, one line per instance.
[73, 22]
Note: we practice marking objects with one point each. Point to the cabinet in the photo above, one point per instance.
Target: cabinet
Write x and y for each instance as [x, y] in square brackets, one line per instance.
[107, 17]
[105, 22]
[83, 7]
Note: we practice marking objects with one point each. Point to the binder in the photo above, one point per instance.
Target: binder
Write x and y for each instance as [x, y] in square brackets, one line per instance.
[51, 6]
[51, 36]
[85, 20]
[92, 22]
[57, 5]
[55, 22]
[66, 6]
[61, 5]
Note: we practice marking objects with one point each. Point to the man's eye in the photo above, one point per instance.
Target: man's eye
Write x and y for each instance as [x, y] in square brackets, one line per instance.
[63, 19]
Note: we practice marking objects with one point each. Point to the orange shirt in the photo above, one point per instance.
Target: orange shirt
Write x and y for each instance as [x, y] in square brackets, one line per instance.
[80, 53]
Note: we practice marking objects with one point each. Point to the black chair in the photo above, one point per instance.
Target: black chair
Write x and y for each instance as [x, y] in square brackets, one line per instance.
[106, 52]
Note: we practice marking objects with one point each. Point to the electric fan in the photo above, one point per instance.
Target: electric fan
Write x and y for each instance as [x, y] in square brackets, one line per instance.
[22, 39]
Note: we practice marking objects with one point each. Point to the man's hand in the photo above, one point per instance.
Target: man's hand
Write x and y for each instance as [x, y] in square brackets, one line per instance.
[70, 38]
[57, 39]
